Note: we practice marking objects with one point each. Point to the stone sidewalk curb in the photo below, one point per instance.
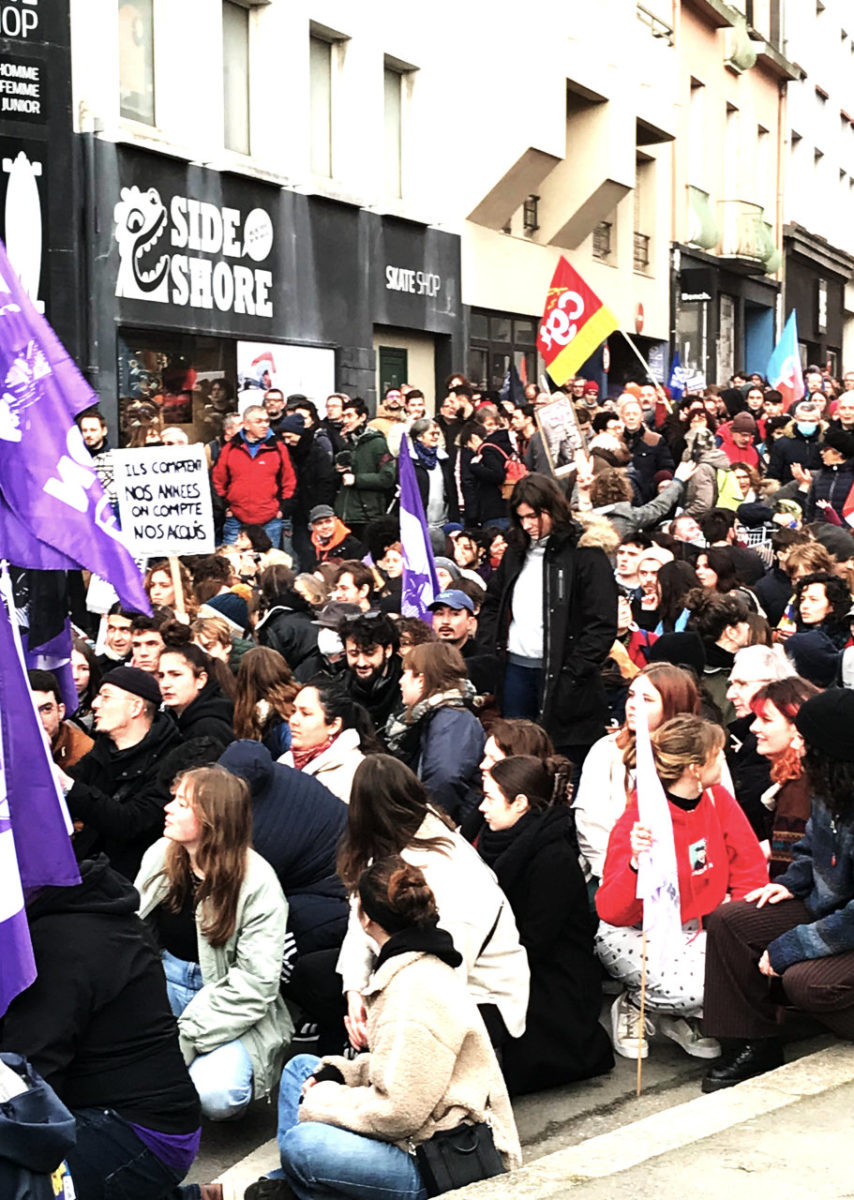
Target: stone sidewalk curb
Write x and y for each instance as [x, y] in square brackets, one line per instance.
[554, 1175]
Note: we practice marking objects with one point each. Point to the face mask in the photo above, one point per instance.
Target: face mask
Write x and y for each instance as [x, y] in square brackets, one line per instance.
[807, 428]
[329, 643]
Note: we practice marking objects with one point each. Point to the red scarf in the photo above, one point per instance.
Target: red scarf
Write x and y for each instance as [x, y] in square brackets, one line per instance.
[303, 757]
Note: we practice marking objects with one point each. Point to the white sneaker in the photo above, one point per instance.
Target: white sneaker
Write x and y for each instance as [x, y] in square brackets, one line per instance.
[686, 1032]
[625, 1029]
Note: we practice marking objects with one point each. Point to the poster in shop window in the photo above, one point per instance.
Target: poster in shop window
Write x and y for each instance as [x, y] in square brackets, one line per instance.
[164, 500]
[309, 370]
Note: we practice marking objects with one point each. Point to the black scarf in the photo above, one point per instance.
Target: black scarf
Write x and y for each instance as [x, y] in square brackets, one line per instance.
[492, 843]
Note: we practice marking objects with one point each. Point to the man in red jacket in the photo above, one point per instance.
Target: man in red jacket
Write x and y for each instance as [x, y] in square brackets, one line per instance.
[255, 477]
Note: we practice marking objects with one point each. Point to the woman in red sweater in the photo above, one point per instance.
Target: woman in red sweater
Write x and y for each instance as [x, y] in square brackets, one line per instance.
[718, 858]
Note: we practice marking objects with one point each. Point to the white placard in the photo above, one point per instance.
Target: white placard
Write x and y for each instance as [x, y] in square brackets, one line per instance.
[165, 500]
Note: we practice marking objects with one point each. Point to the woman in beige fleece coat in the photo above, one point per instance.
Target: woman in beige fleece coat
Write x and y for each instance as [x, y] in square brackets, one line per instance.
[351, 1127]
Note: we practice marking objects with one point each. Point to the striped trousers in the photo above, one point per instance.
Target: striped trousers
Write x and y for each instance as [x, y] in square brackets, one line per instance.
[740, 1002]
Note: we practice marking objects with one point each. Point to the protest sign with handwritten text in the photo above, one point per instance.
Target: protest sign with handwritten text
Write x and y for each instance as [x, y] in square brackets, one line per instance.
[165, 500]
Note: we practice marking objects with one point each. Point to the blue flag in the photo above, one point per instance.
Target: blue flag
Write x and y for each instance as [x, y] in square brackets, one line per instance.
[678, 377]
[420, 585]
[53, 511]
[784, 366]
[35, 848]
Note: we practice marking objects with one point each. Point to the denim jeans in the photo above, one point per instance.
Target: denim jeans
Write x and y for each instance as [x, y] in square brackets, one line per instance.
[521, 696]
[223, 1077]
[109, 1162]
[273, 528]
[320, 1161]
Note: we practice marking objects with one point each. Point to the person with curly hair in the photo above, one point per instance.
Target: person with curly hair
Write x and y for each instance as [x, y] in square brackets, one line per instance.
[822, 603]
[721, 622]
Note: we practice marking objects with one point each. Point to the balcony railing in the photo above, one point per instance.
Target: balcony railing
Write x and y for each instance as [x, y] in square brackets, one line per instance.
[641, 251]
[743, 235]
[602, 240]
[657, 27]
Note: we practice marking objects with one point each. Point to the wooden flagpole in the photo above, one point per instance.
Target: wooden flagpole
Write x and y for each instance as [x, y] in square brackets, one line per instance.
[659, 390]
[642, 1021]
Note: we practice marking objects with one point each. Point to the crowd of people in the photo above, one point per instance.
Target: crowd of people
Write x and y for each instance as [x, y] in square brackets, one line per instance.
[412, 845]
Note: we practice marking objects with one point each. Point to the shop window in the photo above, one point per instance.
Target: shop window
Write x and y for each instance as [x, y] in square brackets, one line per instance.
[393, 116]
[510, 339]
[235, 76]
[320, 73]
[136, 59]
[174, 379]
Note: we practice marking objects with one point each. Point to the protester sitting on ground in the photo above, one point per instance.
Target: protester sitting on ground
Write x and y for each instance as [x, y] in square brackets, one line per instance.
[455, 622]
[264, 700]
[790, 941]
[114, 794]
[752, 669]
[330, 735]
[372, 674]
[160, 589]
[390, 814]
[297, 825]
[412, 631]
[96, 1025]
[354, 583]
[717, 858]
[605, 784]
[214, 635]
[345, 1125]
[219, 915]
[787, 801]
[434, 731]
[822, 601]
[147, 639]
[286, 622]
[529, 842]
[117, 638]
[191, 693]
[312, 589]
[68, 742]
[721, 622]
[87, 680]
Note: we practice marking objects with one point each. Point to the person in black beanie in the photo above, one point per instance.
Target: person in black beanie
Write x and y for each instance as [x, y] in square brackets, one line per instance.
[827, 499]
[791, 942]
[114, 793]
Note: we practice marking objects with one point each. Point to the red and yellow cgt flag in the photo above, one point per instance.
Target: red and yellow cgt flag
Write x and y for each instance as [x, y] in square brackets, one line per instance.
[575, 322]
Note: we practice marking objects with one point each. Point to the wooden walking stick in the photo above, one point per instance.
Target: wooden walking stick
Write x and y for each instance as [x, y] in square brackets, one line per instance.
[642, 1015]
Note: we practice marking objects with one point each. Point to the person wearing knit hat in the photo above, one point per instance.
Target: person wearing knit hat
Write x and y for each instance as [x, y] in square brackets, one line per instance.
[829, 497]
[791, 940]
[738, 440]
[115, 794]
[447, 571]
[231, 606]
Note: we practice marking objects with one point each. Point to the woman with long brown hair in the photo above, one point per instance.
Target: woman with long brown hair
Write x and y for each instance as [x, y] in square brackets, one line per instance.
[389, 814]
[264, 700]
[220, 916]
[604, 787]
[160, 588]
[435, 731]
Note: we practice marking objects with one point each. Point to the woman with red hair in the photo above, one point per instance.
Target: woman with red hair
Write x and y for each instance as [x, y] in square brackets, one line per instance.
[775, 707]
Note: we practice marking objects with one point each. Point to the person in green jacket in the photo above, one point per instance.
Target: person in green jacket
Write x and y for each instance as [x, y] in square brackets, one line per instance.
[367, 471]
[219, 915]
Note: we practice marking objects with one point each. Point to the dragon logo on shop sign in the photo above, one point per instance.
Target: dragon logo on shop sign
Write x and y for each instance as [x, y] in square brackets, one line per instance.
[140, 219]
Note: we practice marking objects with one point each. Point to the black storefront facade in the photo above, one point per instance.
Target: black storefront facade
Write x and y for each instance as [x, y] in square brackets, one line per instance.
[816, 275]
[724, 314]
[39, 177]
[211, 286]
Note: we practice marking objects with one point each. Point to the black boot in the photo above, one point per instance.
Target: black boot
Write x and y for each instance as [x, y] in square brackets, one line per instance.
[269, 1189]
[744, 1060]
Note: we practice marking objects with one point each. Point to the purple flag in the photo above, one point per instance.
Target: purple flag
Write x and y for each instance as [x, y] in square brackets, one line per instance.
[420, 584]
[42, 845]
[17, 965]
[35, 849]
[46, 475]
[55, 656]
